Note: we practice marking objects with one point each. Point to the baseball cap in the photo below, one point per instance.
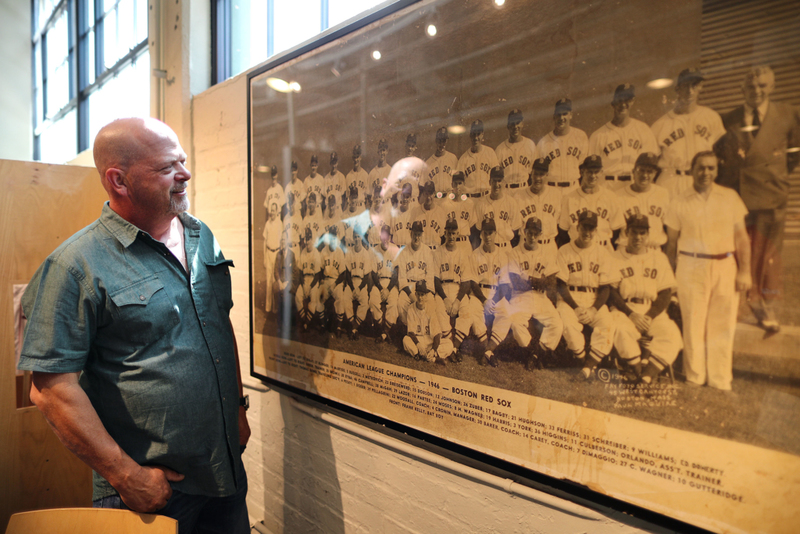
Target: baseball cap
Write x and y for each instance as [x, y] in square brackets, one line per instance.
[476, 128]
[274, 170]
[488, 226]
[411, 139]
[334, 157]
[357, 151]
[451, 224]
[563, 106]
[441, 133]
[416, 226]
[421, 287]
[534, 224]
[458, 176]
[428, 188]
[294, 165]
[638, 220]
[592, 162]
[541, 164]
[624, 91]
[587, 219]
[314, 159]
[382, 143]
[690, 75]
[497, 174]
[514, 116]
[647, 159]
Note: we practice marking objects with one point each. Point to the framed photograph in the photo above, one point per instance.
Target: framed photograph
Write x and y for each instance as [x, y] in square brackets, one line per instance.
[562, 235]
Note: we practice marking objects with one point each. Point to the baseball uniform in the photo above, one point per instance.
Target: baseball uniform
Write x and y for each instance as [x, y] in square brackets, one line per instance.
[516, 159]
[440, 172]
[476, 167]
[545, 206]
[309, 264]
[491, 272]
[619, 146]
[506, 214]
[361, 264]
[653, 203]
[333, 265]
[425, 326]
[565, 153]
[275, 196]
[385, 264]
[603, 202]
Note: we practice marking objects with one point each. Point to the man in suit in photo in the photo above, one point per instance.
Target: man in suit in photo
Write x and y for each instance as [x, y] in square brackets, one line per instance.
[757, 154]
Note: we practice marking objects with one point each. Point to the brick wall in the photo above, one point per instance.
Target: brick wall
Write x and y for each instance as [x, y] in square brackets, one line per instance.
[305, 475]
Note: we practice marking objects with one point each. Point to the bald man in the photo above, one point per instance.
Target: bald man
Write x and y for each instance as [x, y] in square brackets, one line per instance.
[129, 339]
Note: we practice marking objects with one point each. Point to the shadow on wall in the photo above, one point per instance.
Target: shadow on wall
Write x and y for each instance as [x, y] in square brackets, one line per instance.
[312, 496]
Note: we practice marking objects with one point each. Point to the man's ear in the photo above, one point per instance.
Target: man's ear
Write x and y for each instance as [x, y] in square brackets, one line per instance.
[117, 181]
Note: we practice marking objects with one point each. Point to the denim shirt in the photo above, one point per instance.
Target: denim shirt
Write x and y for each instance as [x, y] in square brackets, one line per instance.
[154, 344]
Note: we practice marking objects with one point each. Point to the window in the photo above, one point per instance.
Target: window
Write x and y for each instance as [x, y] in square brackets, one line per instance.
[248, 32]
[91, 66]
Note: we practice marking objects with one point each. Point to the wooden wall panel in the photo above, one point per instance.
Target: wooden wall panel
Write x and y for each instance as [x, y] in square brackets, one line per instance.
[40, 206]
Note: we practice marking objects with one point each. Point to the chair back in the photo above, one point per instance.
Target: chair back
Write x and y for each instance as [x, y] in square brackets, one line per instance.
[90, 521]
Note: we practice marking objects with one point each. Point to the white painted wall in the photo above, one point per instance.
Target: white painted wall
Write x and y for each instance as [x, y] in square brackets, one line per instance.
[306, 476]
[16, 134]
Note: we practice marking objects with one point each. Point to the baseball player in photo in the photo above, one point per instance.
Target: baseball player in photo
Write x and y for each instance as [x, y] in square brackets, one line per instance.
[274, 193]
[414, 175]
[292, 224]
[490, 265]
[585, 272]
[460, 208]
[284, 284]
[640, 301]
[334, 272]
[476, 162]
[333, 217]
[500, 206]
[644, 197]
[378, 218]
[453, 279]
[516, 154]
[620, 141]
[309, 266]
[296, 187]
[532, 274]
[564, 148]
[683, 132]
[591, 196]
[424, 339]
[707, 238]
[415, 262]
[334, 182]
[314, 182]
[441, 165]
[359, 289]
[385, 279]
[358, 178]
[543, 202]
[401, 224]
[313, 220]
[430, 215]
[273, 229]
[379, 173]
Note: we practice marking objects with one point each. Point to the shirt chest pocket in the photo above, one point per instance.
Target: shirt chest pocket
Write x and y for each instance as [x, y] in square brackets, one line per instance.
[144, 312]
[220, 275]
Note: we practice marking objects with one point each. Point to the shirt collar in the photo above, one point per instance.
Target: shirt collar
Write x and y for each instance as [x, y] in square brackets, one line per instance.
[126, 233]
[762, 110]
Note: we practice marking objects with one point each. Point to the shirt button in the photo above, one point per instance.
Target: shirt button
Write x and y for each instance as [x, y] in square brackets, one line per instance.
[204, 323]
[217, 360]
[141, 297]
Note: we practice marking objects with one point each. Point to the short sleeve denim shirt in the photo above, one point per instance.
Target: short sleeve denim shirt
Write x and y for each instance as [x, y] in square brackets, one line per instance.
[154, 344]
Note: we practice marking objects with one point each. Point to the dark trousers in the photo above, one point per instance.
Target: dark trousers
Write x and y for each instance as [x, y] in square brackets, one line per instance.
[766, 231]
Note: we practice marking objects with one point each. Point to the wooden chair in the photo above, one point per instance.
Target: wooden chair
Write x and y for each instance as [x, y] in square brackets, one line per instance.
[90, 521]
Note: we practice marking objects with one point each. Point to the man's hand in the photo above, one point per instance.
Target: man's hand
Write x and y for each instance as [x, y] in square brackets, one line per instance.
[148, 489]
[583, 315]
[244, 427]
[641, 322]
[743, 280]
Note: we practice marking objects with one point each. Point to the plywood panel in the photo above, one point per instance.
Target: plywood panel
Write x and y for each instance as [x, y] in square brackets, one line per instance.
[40, 206]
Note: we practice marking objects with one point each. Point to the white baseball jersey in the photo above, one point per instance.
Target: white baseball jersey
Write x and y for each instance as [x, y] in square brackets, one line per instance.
[335, 185]
[546, 206]
[603, 203]
[316, 185]
[275, 196]
[653, 203]
[401, 224]
[432, 223]
[454, 266]
[298, 189]
[423, 322]
[376, 178]
[360, 263]
[505, 212]
[385, 261]
[293, 228]
[642, 276]
[490, 268]
[619, 146]
[334, 220]
[565, 153]
[463, 212]
[440, 171]
[310, 262]
[333, 262]
[516, 159]
[360, 180]
[316, 223]
[680, 137]
[527, 264]
[592, 266]
[476, 167]
[415, 265]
